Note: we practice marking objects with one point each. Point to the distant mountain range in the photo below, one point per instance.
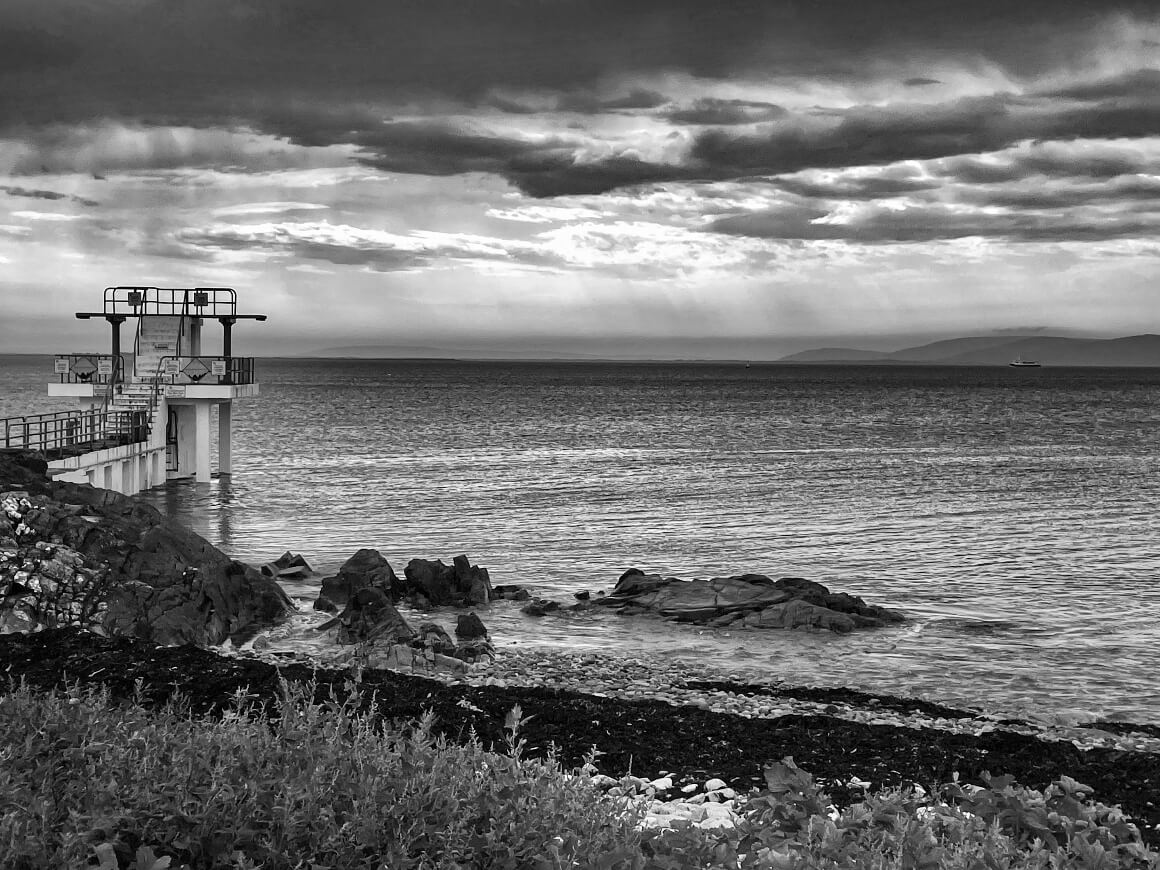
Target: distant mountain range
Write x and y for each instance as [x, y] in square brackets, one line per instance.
[1133, 350]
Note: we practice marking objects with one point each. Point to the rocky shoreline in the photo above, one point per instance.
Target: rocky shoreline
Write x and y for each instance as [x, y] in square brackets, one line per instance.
[671, 728]
[99, 590]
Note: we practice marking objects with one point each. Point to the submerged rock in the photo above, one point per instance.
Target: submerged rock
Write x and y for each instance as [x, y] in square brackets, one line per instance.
[510, 592]
[75, 555]
[750, 600]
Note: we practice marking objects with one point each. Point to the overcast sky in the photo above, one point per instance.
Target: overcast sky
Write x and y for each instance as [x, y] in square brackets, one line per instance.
[654, 177]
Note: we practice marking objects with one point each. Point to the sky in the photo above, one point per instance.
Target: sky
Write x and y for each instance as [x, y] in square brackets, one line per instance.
[634, 178]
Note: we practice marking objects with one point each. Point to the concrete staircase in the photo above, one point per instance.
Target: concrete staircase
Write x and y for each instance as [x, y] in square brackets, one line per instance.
[133, 403]
[158, 336]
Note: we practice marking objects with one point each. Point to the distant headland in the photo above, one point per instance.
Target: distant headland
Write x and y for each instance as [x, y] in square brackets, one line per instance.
[1048, 350]
[1133, 350]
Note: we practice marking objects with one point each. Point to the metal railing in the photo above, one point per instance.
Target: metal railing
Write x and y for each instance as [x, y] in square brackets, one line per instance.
[189, 302]
[222, 370]
[71, 432]
[88, 368]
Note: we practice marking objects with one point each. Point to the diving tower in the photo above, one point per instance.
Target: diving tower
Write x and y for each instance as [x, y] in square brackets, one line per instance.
[144, 418]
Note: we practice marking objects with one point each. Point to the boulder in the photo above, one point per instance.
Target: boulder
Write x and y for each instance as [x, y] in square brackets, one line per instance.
[365, 569]
[430, 635]
[433, 584]
[288, 566]
[370, 616]
[750, 600]
[73, 555]
[469, 627]
[472, 643]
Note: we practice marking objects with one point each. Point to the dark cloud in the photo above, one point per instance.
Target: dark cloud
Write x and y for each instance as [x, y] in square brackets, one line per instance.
[1122, 192]
[325, 72]
[859, 136]
[863, 136]
[25, 49]
[920, 82]
[936, 222]
[640, 98]
[877, 135]
[67, 61]
[1099, 161]
[540, 167]
[717, 112]
[1138, 85]
[581, 103]
[47, 194]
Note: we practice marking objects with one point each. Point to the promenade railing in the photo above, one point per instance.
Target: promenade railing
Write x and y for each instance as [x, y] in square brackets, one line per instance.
[71, 432]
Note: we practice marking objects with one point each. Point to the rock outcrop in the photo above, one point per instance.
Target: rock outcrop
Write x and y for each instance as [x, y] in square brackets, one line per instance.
[365, 569]
[750, 600]
[80, 556]
[433, 584]
[368, 616]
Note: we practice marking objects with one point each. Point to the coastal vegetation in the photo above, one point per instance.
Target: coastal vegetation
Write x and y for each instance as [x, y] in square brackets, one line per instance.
[316, 780]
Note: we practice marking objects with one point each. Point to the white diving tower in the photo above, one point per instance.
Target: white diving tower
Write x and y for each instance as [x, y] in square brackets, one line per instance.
[144, 420]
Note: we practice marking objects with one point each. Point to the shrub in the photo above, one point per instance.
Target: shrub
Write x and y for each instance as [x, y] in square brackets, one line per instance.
[86, 781]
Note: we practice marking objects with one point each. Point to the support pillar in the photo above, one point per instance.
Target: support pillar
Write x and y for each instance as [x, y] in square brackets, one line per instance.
[228, 345]
[115, 321]
[201, 450]
[225, 430]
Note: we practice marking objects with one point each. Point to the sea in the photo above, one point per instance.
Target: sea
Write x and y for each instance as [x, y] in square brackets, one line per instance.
[1010, 514]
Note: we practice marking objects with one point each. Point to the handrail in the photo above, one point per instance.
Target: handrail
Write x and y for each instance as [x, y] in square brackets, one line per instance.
[221, 370]
[117, 378]
[65, 432]
[85, 368]
[186, 301]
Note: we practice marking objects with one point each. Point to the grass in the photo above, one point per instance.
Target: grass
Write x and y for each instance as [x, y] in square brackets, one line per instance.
[89, 781]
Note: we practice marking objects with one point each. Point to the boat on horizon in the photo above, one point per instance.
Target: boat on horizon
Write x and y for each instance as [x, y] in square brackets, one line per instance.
[1021, 363]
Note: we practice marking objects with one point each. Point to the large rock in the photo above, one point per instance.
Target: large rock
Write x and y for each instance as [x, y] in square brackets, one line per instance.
[366, 569]
[751, 600]
[80, 556]
[368, 616]
[433, 584]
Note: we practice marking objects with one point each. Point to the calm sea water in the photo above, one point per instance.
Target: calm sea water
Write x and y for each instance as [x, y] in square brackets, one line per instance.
[1011, 514]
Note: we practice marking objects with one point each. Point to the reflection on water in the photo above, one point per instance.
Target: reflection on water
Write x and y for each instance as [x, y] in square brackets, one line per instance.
[1009, 515]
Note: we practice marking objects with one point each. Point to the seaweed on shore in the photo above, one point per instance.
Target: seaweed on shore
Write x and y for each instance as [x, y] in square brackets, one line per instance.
[645, 738]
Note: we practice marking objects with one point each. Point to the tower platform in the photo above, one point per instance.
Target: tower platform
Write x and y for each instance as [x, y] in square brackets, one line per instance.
[144, 418]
